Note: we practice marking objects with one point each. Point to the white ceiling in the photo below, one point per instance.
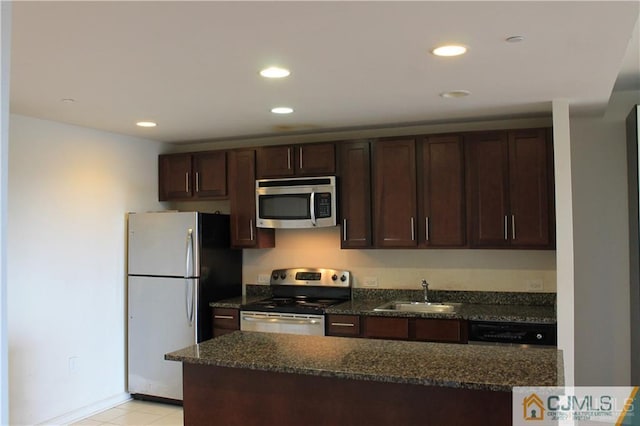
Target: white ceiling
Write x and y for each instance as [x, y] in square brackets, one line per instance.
[193, 66]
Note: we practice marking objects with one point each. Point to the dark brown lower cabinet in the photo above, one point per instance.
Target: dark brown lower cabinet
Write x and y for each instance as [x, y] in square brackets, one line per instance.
[386, 328]
[235, 396]
[422, 329]
[342, 325]
[440, 330]
[225, 320]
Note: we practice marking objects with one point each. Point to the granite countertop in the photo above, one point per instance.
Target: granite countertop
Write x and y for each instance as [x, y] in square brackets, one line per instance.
[496, 368]
[468, 311]
[236, 302]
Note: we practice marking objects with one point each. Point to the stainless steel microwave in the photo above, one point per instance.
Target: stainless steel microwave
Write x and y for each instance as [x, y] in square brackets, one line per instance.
[307, 202]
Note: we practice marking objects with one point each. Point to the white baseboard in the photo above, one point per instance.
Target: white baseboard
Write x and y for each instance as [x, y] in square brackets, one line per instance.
[89, 410]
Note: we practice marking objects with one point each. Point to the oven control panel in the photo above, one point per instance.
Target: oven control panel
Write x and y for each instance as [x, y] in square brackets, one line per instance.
[311, 276]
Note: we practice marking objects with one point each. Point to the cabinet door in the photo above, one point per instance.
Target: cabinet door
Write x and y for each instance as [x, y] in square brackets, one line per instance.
[530, 192]
[315, 159]
[174, 180]
[487, 170]
[395, 193]
[275, 161]
[441, 192]
[242, 195]
[355, 194]
[210, 178]
[343, 325]
[225, 320]
[440, 330]
[386, 328]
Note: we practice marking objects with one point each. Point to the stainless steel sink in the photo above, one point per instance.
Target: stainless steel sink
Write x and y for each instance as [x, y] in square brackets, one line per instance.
[404, 306]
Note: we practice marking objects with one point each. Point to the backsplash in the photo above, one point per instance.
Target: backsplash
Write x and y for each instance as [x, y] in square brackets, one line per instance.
[450, 269]
[475, 297]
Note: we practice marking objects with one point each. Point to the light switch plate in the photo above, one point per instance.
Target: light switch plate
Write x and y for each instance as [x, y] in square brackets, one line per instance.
[535, 285]
[264, 278]
[370, 282]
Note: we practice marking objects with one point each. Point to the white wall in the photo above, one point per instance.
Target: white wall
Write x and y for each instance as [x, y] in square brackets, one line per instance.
[564, 235]
[601, 250]
[69, 191]
[486, 270]
[5, 42]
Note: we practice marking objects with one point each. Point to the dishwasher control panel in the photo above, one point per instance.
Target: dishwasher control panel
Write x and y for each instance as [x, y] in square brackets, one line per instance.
[518, 333]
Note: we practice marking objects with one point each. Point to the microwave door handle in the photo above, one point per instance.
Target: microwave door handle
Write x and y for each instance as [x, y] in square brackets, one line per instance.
[313, 208]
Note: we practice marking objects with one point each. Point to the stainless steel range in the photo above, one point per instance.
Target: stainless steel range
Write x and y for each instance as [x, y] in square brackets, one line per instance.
[300, 297]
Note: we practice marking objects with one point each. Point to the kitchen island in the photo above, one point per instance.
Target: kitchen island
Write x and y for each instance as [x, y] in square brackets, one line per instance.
[246, 378]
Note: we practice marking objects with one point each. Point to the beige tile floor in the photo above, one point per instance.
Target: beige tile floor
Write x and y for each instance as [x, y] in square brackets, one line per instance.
[136, 413]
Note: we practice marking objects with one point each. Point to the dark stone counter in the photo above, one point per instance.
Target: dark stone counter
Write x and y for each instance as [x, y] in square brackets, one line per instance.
[492, 368]
[471, 309]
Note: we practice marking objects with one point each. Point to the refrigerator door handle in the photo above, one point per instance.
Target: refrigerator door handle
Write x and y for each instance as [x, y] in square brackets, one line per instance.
[188, 273]
[189, 299]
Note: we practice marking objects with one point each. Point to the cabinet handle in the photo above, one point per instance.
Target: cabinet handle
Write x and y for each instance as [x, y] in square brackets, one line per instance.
[223, 317]
[513, 227]
[342, 324]
[251, 229]
[197, 182]
[426, 232]
[413, 230]
[344, 229]
[301, 157]
[506, 235]
[186, 182]
[288, 158]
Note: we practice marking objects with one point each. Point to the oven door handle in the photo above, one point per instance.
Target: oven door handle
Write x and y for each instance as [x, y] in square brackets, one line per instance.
[275, 320]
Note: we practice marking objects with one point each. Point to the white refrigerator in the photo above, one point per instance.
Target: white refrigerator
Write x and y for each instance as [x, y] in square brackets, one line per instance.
[178, 262]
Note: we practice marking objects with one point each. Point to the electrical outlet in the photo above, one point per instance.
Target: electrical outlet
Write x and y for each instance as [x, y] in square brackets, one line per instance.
[264, 278]
[535, 285]
[74, 362]
[370, 282]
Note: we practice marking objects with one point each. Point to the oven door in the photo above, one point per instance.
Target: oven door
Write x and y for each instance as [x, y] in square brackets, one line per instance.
[270, 322]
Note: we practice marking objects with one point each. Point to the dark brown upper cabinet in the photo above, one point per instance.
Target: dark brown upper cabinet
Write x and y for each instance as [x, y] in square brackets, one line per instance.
[510, 189]
[242, 195]
[199, 175]
[394, 188]
[296, 160]
[441, 192]
[355, 194]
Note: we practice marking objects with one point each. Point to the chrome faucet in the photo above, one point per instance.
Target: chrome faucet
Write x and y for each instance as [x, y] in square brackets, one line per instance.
[425, 286]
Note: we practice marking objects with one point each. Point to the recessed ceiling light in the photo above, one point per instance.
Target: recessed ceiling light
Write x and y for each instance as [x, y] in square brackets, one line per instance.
[146, 124]
[275, 72]
[282, 110]
[515, 39]
[449, 50]
[455, 94]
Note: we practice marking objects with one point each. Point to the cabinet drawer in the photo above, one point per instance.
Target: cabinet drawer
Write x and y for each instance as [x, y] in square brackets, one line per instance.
[439, 330]
[386, 328]
[226, 318]
[343, 325]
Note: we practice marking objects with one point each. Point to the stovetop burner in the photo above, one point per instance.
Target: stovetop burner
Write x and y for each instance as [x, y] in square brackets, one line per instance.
[292, 305]
[304, 291]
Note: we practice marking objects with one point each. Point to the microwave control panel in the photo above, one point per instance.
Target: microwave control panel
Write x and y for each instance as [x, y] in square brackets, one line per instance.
[323, 204]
